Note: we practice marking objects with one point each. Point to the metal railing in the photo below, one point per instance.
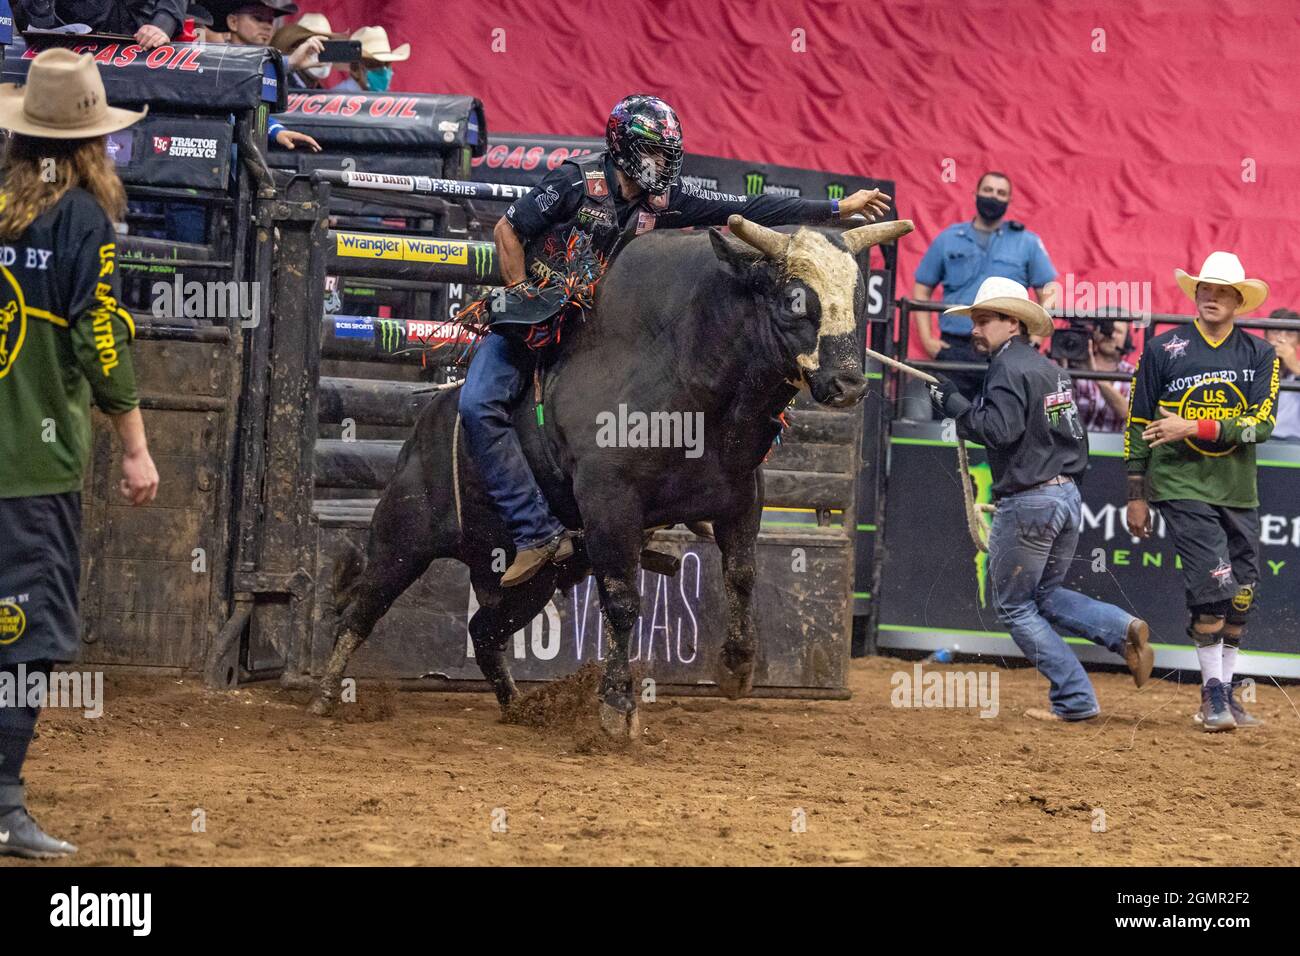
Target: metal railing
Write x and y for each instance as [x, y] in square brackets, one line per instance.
[906, 308]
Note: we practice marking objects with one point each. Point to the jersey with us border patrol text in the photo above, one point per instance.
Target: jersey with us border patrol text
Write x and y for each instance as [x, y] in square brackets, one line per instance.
[1233, 381]
[64, 339]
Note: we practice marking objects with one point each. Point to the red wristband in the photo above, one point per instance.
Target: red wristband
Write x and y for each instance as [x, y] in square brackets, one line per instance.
[1207, 429]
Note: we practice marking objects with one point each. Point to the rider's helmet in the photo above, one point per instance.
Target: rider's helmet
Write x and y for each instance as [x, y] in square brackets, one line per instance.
[645, 141]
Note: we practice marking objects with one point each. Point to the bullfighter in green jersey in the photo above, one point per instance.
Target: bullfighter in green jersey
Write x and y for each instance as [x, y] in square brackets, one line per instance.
[1202, 398]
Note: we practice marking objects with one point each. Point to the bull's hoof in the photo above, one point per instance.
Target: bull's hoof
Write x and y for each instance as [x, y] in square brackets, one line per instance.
[735, 673]
[320, 707]
[620, 724]
[506, 697]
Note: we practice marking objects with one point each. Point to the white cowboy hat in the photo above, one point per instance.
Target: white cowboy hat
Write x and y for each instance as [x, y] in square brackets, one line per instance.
[1224, 268]
[374, 46]
[1009, 297]
[62, 99]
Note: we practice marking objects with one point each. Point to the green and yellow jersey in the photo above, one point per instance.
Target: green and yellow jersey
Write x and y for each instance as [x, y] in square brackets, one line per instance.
[64, 339]
[1233, 381]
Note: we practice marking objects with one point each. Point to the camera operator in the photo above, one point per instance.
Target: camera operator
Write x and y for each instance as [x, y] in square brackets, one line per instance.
[1103, 406]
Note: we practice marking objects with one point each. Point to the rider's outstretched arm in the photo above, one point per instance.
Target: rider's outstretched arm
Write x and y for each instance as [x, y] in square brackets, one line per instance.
[690, 205]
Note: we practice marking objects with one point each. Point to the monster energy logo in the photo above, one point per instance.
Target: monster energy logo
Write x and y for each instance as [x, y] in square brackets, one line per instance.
[834, 191]
[483, 253]
[390, 334]
[756, 184]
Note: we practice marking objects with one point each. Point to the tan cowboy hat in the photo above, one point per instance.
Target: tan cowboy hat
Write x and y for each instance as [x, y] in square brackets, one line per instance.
[374, 46]
[1010, 298]
[309, 25]
[63, 99]
[1224, 268]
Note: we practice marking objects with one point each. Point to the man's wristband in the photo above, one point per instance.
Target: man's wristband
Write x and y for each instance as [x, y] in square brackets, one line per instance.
[1137, 487]
[1207, 429]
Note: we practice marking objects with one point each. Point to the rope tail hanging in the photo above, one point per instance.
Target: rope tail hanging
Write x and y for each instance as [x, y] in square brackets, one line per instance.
[978, 528]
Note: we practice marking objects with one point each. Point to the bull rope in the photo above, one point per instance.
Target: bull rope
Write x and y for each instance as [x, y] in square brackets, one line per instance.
[455, 472]
[455, 450]
[979, 530]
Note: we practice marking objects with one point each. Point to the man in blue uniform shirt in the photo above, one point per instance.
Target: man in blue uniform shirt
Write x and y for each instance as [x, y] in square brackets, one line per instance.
[962, 257]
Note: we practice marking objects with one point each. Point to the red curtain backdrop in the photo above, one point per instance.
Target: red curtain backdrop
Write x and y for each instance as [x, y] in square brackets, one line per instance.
[1140, 134]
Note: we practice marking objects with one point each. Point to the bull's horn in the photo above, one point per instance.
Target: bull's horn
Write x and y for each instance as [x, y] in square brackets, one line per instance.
[767, 241]
[863, 237]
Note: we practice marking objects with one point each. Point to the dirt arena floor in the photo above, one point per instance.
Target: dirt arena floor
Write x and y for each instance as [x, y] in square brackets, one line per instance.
[418, 778]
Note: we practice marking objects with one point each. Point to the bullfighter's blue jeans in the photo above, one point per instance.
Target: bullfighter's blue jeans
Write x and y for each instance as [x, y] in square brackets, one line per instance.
[1031, 545]
[496, 378]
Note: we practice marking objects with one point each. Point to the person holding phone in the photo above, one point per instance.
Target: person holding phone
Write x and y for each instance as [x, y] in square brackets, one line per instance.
[310, 50]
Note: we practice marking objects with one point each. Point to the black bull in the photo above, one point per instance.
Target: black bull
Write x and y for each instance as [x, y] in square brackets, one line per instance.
[720, 328]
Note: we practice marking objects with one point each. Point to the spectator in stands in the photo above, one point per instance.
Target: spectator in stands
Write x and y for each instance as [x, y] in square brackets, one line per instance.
[301, 45]
[151, 22]
[253, 24]
[374, 74]
[1103, 406]
[203, 24]
[1287, 345]
[962, 257]
[277, 132]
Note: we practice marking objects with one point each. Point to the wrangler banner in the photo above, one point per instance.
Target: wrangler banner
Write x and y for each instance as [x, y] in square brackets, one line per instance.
[935, 590]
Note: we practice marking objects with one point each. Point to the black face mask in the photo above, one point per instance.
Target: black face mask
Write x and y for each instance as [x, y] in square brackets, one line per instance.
[991, 209]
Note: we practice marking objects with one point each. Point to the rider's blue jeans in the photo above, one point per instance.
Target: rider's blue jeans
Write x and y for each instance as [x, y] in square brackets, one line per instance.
[496, 378]
[1031, 547]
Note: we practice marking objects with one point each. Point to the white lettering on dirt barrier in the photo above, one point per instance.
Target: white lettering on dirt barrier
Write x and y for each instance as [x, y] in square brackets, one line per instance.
[667, 629]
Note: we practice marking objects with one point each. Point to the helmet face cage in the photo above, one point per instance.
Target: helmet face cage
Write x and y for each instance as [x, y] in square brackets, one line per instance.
[655, 166]
[645, 142]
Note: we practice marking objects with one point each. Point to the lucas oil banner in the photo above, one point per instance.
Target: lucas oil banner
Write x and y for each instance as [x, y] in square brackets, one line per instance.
[935, 589]
[174, 77]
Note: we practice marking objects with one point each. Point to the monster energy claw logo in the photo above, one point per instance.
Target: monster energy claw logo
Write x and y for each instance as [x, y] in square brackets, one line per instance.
[390, 334]
[835, 191]
[754, 184]
[483, 253]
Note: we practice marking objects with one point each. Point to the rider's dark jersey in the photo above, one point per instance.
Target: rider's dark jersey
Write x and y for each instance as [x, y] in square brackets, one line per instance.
[584, 195]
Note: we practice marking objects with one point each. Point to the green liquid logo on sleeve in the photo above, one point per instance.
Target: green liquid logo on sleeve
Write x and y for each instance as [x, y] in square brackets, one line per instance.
[982, 475]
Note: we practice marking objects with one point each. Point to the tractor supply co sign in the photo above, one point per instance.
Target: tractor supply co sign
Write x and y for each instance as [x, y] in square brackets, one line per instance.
[185, 147]
[935, 582]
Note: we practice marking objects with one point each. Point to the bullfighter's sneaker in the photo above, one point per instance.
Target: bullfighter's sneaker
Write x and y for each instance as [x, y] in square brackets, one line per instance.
[20, 835]
[1214, 714]
[1239, 713]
